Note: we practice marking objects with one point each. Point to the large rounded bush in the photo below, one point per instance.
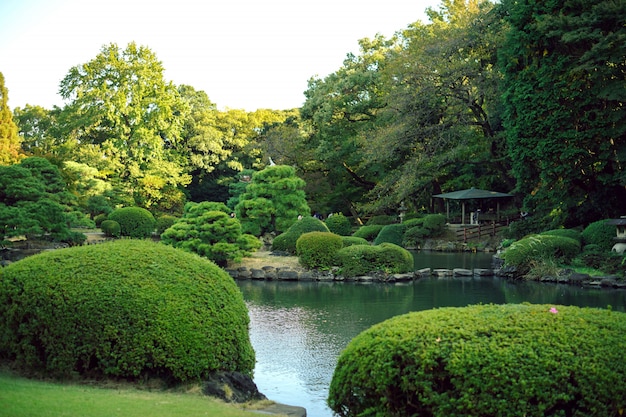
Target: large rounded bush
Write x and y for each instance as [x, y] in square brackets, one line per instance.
[353, 240]
[391, 233]
[318, 249]
[540, 247]
[339, 224]
[286, 242]
[135, 222]
[128, 309]
[488, 360]
[110, 228]
[359, 260]
[368, 232]
[599, 233]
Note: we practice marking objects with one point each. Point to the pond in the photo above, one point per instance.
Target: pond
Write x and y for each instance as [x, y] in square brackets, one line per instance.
[298, 329]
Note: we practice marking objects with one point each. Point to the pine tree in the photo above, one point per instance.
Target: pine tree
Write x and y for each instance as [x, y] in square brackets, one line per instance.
[9, 138]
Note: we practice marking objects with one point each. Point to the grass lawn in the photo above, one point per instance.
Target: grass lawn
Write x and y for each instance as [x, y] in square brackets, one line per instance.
[20, 397]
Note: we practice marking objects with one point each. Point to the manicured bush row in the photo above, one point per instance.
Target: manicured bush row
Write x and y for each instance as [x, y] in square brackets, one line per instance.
[127, 309]
[487, 360]
[135, 222]
[287, 241]
[318, 250]
[359, 260]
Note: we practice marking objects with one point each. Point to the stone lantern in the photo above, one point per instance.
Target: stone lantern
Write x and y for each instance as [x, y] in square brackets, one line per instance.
[620, 225]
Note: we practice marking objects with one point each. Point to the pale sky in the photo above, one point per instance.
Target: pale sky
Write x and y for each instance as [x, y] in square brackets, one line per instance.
[245, 54]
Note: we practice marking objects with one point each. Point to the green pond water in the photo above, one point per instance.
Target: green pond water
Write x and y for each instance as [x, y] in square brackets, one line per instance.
[298, 329]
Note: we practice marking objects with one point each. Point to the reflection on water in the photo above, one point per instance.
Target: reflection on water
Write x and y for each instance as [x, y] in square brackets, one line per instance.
[298, 329]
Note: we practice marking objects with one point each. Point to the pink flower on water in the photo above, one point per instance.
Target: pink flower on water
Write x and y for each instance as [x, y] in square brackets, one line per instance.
[553, 310]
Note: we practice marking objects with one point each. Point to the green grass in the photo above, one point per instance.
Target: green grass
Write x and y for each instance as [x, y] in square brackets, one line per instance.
[20, 397]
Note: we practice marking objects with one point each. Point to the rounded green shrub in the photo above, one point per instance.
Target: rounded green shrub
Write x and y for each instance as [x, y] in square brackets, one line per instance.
[210, 233]
[100, 218]
[359, 260]
[135, 222]
[339, 224]
[415, 236]
[436, 223]
[487, 360]
[164, 222]
[368, 232]
[382, 219]
[287, 241]
[110, 228]
[126, 309]
[391, 233]
[599, 233]
[571, 233]
[540, 247]
[353, 240]
[318, 250]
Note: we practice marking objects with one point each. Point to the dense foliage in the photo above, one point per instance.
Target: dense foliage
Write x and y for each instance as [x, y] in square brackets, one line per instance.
[357, 260]
[339, 224]
[128, 309]
[318, 250]
[10, 141]
[111, 228]
[287, 241]
[368, 232]
[599, 233]
[540, 247]
[272, 201]
[518, 97]
[135, 222]
[206, 229]
[391, 233]
[487, 360]
[34, 202]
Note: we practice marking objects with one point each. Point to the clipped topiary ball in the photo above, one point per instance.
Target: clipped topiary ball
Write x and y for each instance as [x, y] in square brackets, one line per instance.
[318, 249]
[135, 222]
[339, 224]
[487, 360]
[359, 260]
[127, 309]
[287, 241]
[110, 228]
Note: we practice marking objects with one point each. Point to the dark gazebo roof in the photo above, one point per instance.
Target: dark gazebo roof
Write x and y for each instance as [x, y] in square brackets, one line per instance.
[472, 194]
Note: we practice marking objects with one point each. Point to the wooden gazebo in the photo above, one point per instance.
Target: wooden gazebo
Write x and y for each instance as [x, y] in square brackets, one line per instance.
[471, 194]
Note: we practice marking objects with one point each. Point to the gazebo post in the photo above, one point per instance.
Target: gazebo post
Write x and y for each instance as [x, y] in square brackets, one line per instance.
[463, 212]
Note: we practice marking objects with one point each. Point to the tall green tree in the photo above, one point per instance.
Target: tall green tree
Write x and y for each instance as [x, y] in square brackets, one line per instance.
[342, 109]
[37, 129]
[564, 65]
[442, 127]
[273, 200]
[127, 119]
[9, 138]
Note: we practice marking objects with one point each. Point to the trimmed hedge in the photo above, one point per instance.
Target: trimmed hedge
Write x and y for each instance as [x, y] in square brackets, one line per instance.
[135, 222]
[318, 249]
[129, 309]
[571, 233]
[164, 222]
[368, 232]
[353, 240]
[486, 360]
[540, 247]
[287, 241]
[339, 224]
[391, 233]
[359, 260]
[110, 228]
[599, 233]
